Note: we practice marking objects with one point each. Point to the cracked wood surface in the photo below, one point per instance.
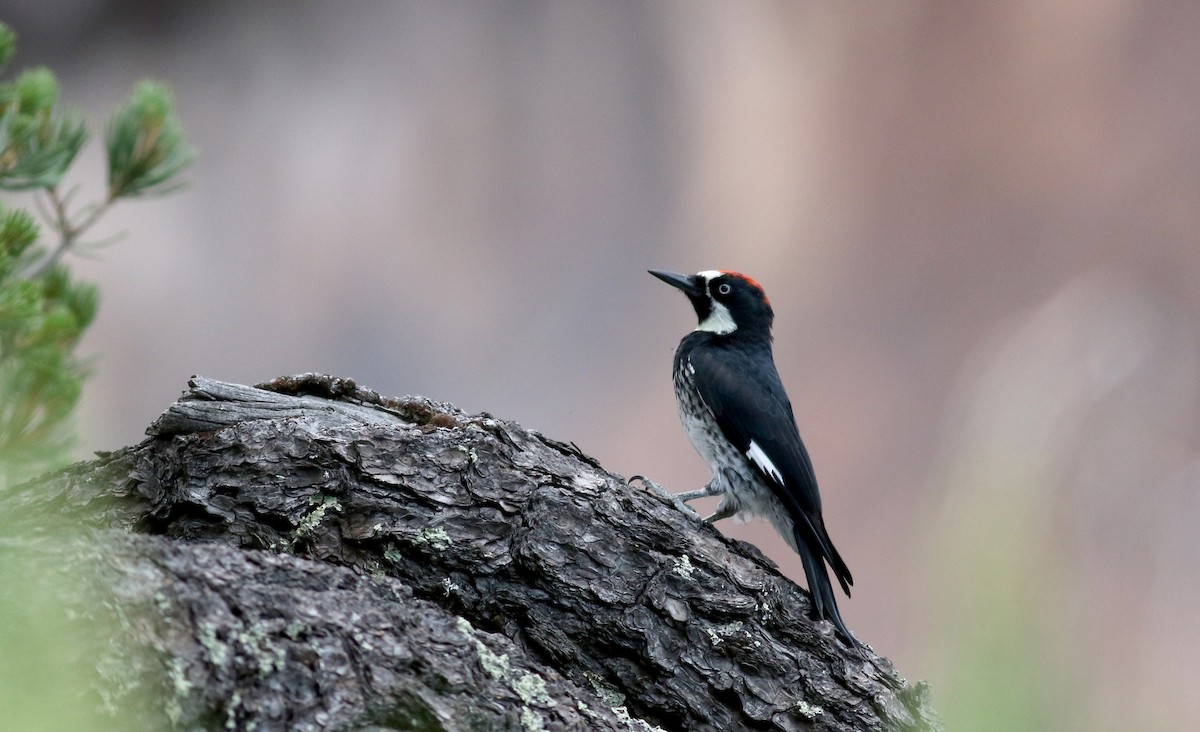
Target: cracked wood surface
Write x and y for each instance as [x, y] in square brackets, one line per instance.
[464, 539]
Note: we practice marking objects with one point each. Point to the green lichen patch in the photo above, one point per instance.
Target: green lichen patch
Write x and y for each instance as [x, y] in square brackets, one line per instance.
[179, 686]
[266, 656]
[435, 537]
[532, 721]
[809, 711]
[322, 505]
[683, 567]
[530, 687]
[393, 554]
[532, 690]
[718, 633]
[608, 693]
[218, 650]
[634, 723]
[472, 456]
[494, 665]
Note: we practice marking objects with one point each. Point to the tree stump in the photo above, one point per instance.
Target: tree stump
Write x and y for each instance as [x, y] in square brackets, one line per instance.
[308, 555]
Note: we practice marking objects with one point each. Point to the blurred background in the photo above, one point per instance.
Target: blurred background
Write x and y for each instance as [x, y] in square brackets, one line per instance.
[979, 224]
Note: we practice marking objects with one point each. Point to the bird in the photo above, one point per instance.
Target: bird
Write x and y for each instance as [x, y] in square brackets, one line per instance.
[738, 417]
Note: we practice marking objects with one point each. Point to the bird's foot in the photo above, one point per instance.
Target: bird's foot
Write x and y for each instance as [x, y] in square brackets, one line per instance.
[664, 496]
[722, 512]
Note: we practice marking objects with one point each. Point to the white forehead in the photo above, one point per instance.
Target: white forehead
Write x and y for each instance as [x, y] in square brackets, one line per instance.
[709, 274]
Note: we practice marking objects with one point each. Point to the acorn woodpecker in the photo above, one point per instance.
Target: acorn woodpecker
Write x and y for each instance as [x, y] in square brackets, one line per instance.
[739, 419]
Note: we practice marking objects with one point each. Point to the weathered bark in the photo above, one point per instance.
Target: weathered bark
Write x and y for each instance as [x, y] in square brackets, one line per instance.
[308, 555]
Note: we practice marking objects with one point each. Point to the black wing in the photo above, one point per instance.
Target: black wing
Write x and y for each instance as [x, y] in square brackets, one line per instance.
[752, 409]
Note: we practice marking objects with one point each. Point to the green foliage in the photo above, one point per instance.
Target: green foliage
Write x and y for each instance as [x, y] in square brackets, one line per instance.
[8, 45]
[55, 642]
[44, 312]
[38, 140]
[64, 663]
[145, 144]
[41, 321]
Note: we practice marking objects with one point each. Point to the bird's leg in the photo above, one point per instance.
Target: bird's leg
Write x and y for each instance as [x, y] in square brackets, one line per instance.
[722, 512]
[705, 492]
[666, 497]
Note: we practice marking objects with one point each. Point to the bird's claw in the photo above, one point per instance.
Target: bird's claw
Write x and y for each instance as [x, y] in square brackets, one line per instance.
[665, 496]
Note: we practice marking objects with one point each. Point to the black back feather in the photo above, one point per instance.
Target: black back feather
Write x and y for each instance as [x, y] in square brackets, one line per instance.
[749, 403]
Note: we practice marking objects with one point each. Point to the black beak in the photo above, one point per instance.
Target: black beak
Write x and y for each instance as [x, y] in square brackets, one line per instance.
[686, 283]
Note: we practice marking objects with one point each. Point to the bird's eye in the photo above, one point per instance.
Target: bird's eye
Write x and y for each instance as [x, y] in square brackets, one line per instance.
[724, 288]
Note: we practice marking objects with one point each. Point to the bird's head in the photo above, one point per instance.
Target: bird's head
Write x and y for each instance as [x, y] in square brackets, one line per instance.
[725, 302]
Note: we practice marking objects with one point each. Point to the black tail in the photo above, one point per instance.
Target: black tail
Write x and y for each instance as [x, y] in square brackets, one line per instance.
[823, 600]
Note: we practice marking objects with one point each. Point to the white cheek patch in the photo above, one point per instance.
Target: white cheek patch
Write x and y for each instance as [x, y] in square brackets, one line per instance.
[719, 320]
[759, 458]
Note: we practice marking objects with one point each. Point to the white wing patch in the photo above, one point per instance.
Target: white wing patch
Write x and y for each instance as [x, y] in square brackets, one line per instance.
[759, 458]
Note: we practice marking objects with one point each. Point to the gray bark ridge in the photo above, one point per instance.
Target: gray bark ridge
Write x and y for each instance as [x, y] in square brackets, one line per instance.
[314, 556]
